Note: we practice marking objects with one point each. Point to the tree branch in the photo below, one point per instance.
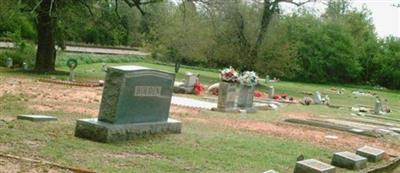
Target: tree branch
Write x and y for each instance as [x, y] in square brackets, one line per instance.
[87, 6]
[295, 3]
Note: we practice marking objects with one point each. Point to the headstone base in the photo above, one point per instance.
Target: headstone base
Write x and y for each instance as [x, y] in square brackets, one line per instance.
[36, 118]
[95, 130]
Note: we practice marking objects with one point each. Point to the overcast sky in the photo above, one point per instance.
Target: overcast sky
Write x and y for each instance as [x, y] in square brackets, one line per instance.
[385, 16]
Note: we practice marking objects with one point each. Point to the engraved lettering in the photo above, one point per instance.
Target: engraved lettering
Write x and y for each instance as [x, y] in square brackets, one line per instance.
[147, 91]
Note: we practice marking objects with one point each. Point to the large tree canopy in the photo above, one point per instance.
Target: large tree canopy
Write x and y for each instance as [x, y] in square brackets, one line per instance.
[339, 45]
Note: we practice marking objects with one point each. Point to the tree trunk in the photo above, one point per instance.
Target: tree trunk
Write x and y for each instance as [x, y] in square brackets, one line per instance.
[268, 13]
[46, 52]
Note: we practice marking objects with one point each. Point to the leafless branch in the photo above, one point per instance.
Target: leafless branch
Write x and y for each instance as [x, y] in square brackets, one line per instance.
[87, 6]
[295, 3]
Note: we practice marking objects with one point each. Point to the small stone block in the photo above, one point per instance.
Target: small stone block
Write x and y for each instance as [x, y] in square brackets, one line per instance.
[107, 132]
[349, 160]
[313, 166]
[271, 171]
[36, 118]
[372, 154]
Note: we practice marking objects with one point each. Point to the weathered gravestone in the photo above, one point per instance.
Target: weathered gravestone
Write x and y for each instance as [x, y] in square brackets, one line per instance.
[271, 92]
[378, 107]
[190, 80]
[317, 98]
[9, 62]
[72, 64]
[227, 97]
[135, 102]
[349, 160]
[372, 154]
[267, 79]
[245, 99]
[313, 166]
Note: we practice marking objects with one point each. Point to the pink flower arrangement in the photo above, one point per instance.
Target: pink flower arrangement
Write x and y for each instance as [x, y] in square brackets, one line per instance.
[229, 75]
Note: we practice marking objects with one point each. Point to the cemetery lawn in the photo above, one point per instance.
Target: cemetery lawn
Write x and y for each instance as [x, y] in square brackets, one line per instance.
[210, 141]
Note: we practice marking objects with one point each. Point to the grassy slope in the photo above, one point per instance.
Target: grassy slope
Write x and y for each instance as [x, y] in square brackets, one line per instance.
[201, 147]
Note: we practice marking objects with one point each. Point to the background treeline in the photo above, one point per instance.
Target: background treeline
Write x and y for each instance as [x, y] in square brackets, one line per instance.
[338, 46]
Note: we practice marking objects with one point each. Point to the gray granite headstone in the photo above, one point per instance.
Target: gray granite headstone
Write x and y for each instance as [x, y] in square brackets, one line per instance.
[372, 154]
[135, 101]
[313, 166]
[271, 92]
[36, 118]
[190, 80]
[245, 99]
[349, 160]
[227, 97]
[378, 107]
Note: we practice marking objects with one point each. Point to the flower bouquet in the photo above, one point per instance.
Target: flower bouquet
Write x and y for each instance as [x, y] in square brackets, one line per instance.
[248, 78]
[229, 75]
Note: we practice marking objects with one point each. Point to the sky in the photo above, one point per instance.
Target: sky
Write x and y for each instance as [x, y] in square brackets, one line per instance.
[385, 16]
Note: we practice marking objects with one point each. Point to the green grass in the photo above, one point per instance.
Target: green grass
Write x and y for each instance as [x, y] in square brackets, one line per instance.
[201, 147]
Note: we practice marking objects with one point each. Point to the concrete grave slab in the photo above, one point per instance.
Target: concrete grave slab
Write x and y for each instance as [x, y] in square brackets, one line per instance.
[36, 118]
[271, 171]
[372, 154]
[313, 166]
[349, 160]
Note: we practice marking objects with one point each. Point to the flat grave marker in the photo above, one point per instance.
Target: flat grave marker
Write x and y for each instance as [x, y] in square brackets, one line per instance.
[36, 118]
[372, 154]
[349, 160]
[313, 166]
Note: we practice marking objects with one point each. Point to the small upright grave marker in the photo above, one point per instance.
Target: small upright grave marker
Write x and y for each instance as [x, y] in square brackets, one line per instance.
[190, 81]
[135, 101]
[72, 64]
[271, 92]
[9, 62]
[317, 98]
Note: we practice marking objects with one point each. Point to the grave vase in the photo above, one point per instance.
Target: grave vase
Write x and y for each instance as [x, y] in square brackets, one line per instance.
[226, 96]
[245, 99]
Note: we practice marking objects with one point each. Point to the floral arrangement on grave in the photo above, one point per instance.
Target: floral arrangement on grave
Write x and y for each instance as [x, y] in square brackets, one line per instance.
[229, 75]
[248, 78]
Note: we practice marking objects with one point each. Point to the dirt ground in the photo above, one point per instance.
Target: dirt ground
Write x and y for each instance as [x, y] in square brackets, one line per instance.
[44, 97]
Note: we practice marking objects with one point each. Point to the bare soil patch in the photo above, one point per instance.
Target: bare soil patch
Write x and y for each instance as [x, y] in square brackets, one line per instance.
[344, 141]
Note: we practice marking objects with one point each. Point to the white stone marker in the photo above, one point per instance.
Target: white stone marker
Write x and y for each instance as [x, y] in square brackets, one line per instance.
[349, 160]
[317, 98]
[271, 92]
[313, 166]
[372, 154]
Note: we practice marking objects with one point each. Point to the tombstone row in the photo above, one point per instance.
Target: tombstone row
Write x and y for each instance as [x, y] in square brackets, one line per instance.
[347, 160]
[230, 100]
